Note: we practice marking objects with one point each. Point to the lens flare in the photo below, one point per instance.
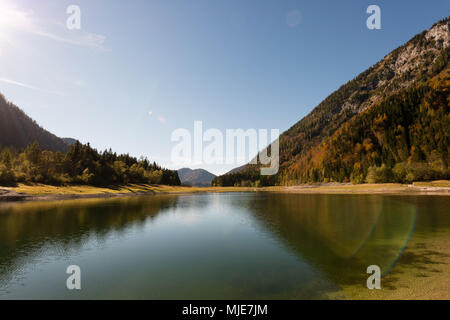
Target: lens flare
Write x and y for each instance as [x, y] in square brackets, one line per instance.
[13, 19]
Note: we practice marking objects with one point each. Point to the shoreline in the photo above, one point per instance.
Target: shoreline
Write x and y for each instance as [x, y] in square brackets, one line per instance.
[39, 192]
[20, 197]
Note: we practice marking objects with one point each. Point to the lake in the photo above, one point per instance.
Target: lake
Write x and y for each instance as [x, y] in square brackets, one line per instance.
[227, 246]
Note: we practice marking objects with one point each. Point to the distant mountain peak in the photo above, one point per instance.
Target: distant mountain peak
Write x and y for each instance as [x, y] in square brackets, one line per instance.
[196, 177]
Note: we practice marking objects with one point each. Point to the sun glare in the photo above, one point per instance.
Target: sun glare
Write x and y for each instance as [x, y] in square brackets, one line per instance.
[12, 18]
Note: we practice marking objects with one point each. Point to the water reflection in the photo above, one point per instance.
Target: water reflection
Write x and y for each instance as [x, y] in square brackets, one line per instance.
[25, 229]
[212, 246]
[340, 235]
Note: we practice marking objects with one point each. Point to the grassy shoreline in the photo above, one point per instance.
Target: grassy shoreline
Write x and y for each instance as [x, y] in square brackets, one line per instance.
[29, 192]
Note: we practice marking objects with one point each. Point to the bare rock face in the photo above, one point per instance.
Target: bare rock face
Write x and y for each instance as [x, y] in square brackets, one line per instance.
[405, 66]
[400, 69]
[439, 33]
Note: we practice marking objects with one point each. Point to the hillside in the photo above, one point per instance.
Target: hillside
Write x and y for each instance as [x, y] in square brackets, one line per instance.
[395, 114]
[197, 178]
[17, 130]
[30, 154]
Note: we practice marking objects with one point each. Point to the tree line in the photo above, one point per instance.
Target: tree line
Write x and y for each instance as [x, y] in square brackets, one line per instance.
[404, 138]
[81, 164]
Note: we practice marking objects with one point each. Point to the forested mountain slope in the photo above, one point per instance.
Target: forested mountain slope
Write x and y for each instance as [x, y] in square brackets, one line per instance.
[29, 153]
[17, 130]
[395, 113]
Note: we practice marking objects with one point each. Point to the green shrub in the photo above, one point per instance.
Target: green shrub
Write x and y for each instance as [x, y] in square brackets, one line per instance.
[380, 174]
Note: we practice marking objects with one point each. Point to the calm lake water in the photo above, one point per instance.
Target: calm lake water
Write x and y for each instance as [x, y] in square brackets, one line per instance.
[218, 246]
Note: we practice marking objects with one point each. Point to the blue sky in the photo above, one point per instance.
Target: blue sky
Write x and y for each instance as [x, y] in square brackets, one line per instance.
[232, 64]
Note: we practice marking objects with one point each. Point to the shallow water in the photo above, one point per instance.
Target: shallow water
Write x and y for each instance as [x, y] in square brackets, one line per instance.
[218, 246]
